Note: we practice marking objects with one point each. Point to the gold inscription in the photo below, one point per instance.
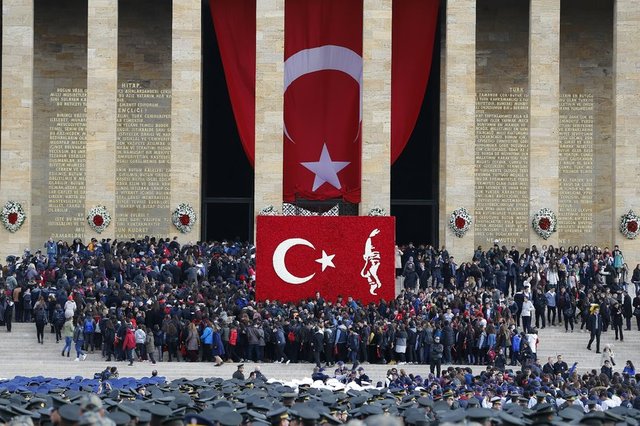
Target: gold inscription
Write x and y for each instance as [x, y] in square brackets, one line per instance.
[143, 159]
[576, 166]
[502, 166]
[67, 158]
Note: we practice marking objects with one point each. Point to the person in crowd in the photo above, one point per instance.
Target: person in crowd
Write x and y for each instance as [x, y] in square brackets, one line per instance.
[606, 369]
[206, 338]
[58, 321]
[239, 373]
[527, 310]
[436, 356]
[8, 308]
[595, 328]
[129, 343]
[607, 355]
[89, 327]
[68, 331]
[141, 342]
[78, 340]
[629, 369]
[149, 346]
[109, 337]
[551, 297]
[616, 315]
[27, 307]
[41, 318]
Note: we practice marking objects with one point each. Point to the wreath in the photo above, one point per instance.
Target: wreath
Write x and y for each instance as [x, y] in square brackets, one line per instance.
[269, 211]
[630, 225]
[99, 218]
[377, 211]
[184, 217]
[544, 222]
[460, 221]
[13, 216]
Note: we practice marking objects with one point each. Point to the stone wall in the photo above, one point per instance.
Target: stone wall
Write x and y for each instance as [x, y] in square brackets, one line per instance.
[554, 84]
[89, 116]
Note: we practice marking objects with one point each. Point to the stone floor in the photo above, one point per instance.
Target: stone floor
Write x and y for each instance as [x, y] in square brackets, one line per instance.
[21, 355]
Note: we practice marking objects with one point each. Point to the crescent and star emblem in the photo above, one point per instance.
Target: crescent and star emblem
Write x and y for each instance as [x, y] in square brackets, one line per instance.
[280, 266]
[327, 57]
[307, 61]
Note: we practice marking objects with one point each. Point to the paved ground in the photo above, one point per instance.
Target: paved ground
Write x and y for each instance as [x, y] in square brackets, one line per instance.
[21, 355]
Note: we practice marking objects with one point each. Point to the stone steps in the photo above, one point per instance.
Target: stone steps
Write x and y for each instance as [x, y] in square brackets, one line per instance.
[20, 354]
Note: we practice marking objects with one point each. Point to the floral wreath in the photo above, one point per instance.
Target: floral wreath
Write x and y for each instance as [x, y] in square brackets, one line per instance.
[460, 221]
[377, 211]
[269, 211]
[13, 216]
[98, 218]
[184, 217]
[630, 225]
[544, 222]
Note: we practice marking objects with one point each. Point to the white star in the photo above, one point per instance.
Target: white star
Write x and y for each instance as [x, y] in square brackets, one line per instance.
[326, 170]
[326, 260]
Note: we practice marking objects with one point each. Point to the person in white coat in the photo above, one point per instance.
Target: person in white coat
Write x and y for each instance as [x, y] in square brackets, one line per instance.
[70, 308]
[527, 313]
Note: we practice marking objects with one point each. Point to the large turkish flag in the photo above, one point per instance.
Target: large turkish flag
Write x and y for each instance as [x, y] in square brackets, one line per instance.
[335, 255]
[322, 99]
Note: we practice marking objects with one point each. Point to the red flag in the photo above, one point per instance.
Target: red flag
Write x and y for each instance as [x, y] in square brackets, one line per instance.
[413, 33]
[235, 25]
[322, 99]
[335, 255]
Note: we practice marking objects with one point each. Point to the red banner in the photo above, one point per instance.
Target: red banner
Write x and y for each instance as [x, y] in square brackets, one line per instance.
[412, 35]
[335, 255]
[235, 25]
[322, 99]
[322, 82]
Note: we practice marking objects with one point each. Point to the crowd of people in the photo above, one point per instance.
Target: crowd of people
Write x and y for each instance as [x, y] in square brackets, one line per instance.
[158, 300]
[543, 395]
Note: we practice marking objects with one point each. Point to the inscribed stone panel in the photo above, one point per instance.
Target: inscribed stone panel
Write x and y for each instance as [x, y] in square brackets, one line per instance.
[143, 144]
[59, 119]
[586, 147]
[502, 122]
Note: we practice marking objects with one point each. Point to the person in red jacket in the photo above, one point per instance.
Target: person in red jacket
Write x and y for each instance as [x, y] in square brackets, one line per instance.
[129, 343]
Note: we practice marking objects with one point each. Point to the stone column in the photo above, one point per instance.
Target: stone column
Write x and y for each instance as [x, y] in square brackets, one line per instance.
[376, 106]
[626, 99]
[186, 110]
[102, 86]
[457, 143]
[269, 104]
[544, 83]
[17, 121]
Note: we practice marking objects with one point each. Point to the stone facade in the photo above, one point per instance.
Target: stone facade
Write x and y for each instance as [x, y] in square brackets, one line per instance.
[568, 89]
[582, 92]
[77, 90]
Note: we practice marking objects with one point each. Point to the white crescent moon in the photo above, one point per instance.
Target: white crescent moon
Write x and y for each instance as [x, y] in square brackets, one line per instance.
[327, 57]
[279, 264]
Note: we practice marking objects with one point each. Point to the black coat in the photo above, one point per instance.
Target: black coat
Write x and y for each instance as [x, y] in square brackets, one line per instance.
[591, 324]
[627, 308]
